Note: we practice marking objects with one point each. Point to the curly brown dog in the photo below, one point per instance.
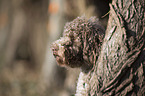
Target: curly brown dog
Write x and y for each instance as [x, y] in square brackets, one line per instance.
[80, 44]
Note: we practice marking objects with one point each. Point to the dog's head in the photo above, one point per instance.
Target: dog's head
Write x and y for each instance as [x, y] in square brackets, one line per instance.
[80, 43]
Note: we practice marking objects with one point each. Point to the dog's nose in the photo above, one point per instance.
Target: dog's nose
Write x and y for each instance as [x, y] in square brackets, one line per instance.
[55, 54]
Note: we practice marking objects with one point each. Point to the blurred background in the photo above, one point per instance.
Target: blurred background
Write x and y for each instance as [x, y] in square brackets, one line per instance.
[27, 29]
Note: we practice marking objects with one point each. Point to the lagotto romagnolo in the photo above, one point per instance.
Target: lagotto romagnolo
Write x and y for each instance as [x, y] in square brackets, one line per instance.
[80, 44]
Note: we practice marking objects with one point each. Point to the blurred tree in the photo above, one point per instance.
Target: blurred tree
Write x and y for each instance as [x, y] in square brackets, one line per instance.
[23, 35]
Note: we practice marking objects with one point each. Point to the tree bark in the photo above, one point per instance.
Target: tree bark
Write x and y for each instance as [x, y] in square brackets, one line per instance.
[120, 68]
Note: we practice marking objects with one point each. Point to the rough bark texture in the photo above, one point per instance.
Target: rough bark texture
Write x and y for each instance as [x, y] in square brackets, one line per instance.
[120, 68]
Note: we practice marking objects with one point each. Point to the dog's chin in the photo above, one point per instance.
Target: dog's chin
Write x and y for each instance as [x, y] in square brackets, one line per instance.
[64, 63]
[60, 61]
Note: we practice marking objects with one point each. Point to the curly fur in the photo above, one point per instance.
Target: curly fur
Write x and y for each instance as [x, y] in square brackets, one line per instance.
[80, 44]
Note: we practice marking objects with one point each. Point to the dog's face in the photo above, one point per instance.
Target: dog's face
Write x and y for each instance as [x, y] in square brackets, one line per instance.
[68, 49]
[67, 52]
[72, 49]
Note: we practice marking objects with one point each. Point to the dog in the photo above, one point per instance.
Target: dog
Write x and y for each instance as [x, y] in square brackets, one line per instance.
[81, 43]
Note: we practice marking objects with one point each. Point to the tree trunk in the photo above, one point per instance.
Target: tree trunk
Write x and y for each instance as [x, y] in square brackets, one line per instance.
[120, 68]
